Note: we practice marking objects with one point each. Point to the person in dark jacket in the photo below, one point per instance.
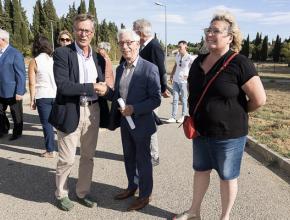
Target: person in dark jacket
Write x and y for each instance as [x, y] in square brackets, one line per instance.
[78, 111]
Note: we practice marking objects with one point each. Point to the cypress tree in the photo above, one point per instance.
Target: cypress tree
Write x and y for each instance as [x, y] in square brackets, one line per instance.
[7, 16]
[36, 17]
[82, 8]
[277, 49]
[92, 11]
[68, 21]
[51, 19]
[17, 25]
[1, 16]
[264, 49]
[246, 47]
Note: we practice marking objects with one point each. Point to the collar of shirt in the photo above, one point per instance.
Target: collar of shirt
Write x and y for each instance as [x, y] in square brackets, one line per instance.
[3, 49]
[146, 42]
[125, 66]
[81, 52]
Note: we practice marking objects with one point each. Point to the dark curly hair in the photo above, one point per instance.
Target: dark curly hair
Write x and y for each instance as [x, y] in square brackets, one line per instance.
[41, 45]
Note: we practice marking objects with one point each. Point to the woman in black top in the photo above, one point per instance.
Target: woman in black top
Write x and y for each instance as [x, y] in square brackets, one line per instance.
[222, 117]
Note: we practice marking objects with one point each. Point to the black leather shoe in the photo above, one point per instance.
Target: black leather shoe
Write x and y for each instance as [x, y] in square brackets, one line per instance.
[14, 137]
[125, 194]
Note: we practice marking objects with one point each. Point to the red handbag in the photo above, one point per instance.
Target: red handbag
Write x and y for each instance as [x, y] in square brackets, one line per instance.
[188, 123]
[188, 128]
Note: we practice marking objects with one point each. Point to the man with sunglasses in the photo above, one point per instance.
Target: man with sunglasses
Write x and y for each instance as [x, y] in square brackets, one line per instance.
[178, 77]
[78, 111]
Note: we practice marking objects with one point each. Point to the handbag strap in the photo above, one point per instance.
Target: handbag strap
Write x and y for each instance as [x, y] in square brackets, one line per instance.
[212, 79]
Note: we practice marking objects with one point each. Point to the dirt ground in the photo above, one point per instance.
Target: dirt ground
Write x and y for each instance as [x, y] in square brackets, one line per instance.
[271, 124]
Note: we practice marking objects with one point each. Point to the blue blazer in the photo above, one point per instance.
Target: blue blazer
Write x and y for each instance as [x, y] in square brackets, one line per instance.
[12, 73]
[65, 113]
[143, 93]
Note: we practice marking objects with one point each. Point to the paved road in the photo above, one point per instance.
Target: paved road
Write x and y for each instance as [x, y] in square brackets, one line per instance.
[27, 181]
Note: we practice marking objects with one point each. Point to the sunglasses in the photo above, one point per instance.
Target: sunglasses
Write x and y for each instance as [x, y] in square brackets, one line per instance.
[180, 62]
[65, 39]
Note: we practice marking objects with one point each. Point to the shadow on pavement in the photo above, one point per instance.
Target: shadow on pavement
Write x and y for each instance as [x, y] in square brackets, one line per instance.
[34, 183]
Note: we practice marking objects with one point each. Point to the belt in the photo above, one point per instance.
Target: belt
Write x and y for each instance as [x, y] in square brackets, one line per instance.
[88, 103]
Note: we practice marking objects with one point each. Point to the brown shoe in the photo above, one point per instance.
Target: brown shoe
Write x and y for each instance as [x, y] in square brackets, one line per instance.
[125, 194]
[138, 204]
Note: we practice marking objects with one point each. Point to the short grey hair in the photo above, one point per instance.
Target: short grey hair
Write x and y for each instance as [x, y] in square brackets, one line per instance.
[105, 45]
[4, 35]
[144, 26]
[135, 37]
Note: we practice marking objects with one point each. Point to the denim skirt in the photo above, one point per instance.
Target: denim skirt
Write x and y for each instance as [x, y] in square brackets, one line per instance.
[225, 156]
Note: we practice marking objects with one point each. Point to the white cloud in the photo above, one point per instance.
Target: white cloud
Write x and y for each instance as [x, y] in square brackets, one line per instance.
[171, 18]
[276, 18]
[240, 14]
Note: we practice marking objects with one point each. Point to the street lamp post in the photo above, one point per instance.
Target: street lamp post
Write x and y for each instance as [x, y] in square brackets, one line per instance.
[165, 16]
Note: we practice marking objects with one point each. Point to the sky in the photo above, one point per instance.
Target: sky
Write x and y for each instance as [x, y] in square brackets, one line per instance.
[187, 18]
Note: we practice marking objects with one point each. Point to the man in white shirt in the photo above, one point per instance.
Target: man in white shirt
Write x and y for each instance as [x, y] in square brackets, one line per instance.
[178, 77]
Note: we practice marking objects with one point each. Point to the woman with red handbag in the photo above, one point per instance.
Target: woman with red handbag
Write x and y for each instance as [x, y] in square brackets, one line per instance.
[223, 88]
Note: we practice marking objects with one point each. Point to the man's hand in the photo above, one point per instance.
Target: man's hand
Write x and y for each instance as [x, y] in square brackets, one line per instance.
[127, 111]
[166, 94]
[18, 97]
[101, 88]
[33, 105]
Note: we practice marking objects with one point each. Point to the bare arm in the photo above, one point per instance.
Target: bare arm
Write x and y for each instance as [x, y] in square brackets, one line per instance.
[31, 77]
[255, 92]
[172, 73]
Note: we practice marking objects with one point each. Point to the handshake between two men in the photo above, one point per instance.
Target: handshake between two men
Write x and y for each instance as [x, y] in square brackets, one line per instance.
[102, 89]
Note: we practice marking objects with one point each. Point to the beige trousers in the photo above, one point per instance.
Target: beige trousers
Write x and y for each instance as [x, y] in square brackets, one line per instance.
[85, 136]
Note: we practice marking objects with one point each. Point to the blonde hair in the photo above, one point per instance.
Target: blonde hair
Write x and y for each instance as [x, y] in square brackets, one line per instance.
[66, 32]
[234, 29]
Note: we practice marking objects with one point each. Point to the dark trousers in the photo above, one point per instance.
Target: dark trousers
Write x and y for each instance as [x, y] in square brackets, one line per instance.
[44, 107]
[16, 112]
[137, 153]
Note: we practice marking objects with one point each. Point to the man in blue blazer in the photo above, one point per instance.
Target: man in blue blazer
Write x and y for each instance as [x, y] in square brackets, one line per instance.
[12, 86]
[152, 51]
[78, 111]
[137, 83]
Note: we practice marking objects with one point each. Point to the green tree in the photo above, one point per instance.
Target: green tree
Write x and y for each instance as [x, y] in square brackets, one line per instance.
[285, 52]
[264, 49]
[51, 20]
[82, 8]
[93, 12]
[7, 16]
[68, 20]
[246, 47]
[257, 47]
[17, 26]
[36, 17]
[2, 23]
[277, 49]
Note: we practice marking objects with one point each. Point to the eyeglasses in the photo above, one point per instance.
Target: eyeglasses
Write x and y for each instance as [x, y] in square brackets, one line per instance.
[213, 31]
[128, 43]
[65, 39]
[87, 32]
[180, 61]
